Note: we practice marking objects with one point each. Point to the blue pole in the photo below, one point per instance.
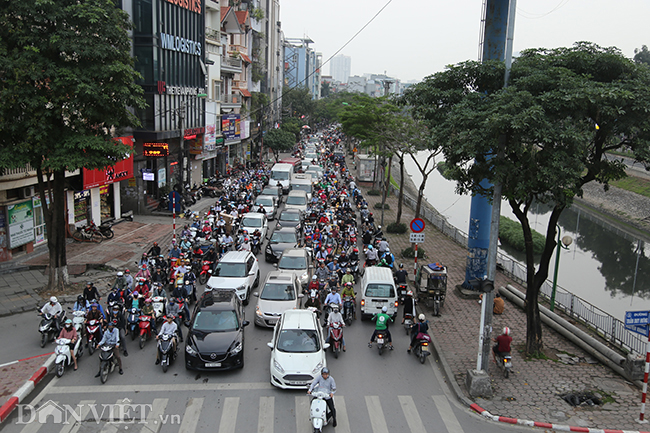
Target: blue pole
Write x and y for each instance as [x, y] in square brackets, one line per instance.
[480, 217]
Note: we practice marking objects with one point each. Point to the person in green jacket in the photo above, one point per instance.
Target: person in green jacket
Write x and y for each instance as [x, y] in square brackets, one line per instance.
[348, 277]
[381, 325]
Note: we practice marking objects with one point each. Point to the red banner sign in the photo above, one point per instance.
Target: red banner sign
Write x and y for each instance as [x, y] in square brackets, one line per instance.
[122, 170]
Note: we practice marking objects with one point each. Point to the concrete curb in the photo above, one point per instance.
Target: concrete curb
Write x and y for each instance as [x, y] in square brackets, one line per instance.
[27, 387]
[558, 427]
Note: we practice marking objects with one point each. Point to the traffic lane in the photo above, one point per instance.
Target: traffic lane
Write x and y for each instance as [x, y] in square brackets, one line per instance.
[20, 337]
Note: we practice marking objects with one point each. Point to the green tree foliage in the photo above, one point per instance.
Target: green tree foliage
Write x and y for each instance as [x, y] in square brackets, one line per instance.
[543, 137]
[66, 82]
[510, 233]
[292, 125]
[642, 55]
[328, 109]
[297, 102]
[279, 140]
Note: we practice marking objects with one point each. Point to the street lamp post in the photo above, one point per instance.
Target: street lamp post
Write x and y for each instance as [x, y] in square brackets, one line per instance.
[562, 244]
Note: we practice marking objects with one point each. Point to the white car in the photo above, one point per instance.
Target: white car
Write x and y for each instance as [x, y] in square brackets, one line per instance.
[252, 221]
[311, 157]
[297, 350]
[269, 203]
[280, 292]
[237, 270]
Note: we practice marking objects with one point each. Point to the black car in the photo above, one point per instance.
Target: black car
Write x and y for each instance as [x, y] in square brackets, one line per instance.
[281, 239]
[215, 340]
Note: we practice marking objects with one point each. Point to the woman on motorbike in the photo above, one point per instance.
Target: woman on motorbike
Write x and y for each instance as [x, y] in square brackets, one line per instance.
[421, 327]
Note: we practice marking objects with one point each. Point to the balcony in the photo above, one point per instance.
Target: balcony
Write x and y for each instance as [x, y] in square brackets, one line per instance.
[231, 101]
[213, 35]
[17, 173]
[231, 65]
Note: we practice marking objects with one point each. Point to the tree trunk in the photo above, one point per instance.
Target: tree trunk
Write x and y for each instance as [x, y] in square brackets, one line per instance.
[53, 202]
[421, 194]
[386, 187]
[401, 190]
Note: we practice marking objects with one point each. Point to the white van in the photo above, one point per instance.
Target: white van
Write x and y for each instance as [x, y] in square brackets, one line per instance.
[302, 182]
[282, 173]
[378, 290]
[297, 199]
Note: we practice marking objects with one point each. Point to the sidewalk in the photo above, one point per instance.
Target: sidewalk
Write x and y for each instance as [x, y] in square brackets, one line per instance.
[533, 389]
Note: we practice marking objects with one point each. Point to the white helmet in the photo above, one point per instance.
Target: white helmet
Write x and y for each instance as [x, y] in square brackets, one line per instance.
[421, 317]
[53, 299]
[506, 331]
[119, 274]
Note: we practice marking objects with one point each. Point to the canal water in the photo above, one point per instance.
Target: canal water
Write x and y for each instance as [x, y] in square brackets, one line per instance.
[600, 265]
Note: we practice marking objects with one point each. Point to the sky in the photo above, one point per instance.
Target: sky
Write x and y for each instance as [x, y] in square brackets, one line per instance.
[410, 40]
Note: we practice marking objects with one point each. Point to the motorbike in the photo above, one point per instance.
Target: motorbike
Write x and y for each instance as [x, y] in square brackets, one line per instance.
[336, 337]
[318, 411]
[63, 355]
[145, 329]
[48, 328]
[94, 334]
[189, 293]
[381, 342]
[159, 304]
[504, 362]
[132, 322]
[106, 229]
[107, 362]
[348, 310]
[256, 245]
[401, 292]
[421, 348]
[166, 351]
[408, 322]
[78, 319]
[206, 272]
[354, 267]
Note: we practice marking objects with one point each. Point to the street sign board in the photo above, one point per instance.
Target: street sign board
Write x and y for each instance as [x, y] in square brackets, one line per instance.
[637, 318]
[639, 329]
[417, 225]
[417, 238]
[174, 199]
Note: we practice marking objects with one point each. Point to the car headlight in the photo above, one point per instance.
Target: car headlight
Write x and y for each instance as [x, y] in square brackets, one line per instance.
[240, 288]
[278, 367]
[237, 348]
[190, 350]
[316, 370]
[258, 311]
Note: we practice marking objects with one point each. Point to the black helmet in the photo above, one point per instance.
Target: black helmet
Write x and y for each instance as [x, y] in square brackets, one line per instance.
[401, 265]
[80, 298]
[325, 370]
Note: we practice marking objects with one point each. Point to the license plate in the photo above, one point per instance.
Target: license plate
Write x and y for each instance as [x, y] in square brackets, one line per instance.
[508, 364]
[425, 348]
[380, 341]
[213, 364]
[272, 321]
[295, 383]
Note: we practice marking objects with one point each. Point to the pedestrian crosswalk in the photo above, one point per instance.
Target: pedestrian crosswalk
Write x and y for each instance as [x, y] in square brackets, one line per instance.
[372, 413]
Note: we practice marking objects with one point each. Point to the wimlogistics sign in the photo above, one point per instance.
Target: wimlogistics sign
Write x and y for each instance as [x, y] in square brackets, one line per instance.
[182, 45]
[190, 5]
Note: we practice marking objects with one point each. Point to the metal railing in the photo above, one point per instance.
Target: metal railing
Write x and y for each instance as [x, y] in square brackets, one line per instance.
[25, 171]
[606, 325]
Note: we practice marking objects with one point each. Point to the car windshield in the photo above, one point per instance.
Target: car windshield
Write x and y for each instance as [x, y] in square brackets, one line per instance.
[284, 238]
[264, 201]
[296, 200]
[251, 222]
[270, 191]
[311, 156]
[280, 175]
[278, 292]
[292, 262]
[293, 217]
[301, 187]
[236, 270]
[298, 341]
[216, 321]
[380, 290]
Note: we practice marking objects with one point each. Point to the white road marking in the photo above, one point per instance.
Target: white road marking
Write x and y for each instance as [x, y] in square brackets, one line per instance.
[74, 427]
[411, 413]
[376, 414]
[266, 417]
[302, 413]
[448, 417]
[157, 417]
[191, 415]
[343, 422]
[229, 415]
[246, 386]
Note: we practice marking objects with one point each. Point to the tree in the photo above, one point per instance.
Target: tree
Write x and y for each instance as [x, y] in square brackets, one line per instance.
[642, 55]
[66, 84]
[297, 102]
[543, 137]
[279, 140]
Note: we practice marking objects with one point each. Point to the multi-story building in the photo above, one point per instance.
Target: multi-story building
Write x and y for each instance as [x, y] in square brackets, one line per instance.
[340, 67]
[302, 65]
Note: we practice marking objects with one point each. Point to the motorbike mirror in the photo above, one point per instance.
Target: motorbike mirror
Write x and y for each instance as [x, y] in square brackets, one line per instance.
[245, 323]
[255, 294]
[275, 265]
[270, 344]
[326, 346]
[300, 295]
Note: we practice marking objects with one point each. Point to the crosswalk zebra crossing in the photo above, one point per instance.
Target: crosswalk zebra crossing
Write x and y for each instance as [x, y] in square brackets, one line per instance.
[237, 414]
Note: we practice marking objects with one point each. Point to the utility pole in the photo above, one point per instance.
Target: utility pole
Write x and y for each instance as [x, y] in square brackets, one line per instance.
[181, 150]
[261, 132]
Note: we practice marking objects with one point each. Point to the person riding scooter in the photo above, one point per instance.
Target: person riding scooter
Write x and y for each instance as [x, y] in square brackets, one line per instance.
[168, 328]
[55, 310]
[326, 383]
[382, 320]
[503, 344]
[335, 317]
[111, 337]
[421, 327]
[401, 276]
[71, 334]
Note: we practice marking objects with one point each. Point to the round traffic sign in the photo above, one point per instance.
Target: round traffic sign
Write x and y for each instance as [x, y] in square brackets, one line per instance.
[417, 225]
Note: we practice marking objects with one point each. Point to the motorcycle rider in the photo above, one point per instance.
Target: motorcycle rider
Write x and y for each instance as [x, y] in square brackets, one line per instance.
[115, 297]
[143, 273]
[112, 337]
[55, 310]
[503, 344]
[81, 304]
[387, 259]
[382, 320]
[147, 310]
[313, 301]
[422, 326]
[327, 384]
[174, 252]
[333, 298]
[90, 292]
[70, 333]
[245, 245]
[173, 310]
[116, 317]
[186, 245]
[348, 277]
[95, 314]
[129, 279]
[120, 282]
[322, 272]
[154, 251]
[168, 328]
[334, 317]
[371, 256]
[383, 246]
[348, 290]
[401, 276]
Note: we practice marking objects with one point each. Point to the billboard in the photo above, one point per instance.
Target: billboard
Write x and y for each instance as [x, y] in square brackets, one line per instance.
[231, 126]
[122, 170]
[21, 223]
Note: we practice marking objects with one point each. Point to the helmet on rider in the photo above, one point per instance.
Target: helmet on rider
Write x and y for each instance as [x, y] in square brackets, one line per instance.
[119, 274]
[94, 305]
[335, 308]
[409, 293]
[421, 318]
[53, 299]
[112, 323]
[401, 265]
[506, 331]
[384, 309]
[356, 250]
[369, 247]
[148, 301]
[314, 277]
[80, 298]
[68, 323]
[325, 371]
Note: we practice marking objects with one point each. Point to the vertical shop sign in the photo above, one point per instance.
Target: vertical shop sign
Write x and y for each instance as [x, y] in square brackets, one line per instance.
[21, 223]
